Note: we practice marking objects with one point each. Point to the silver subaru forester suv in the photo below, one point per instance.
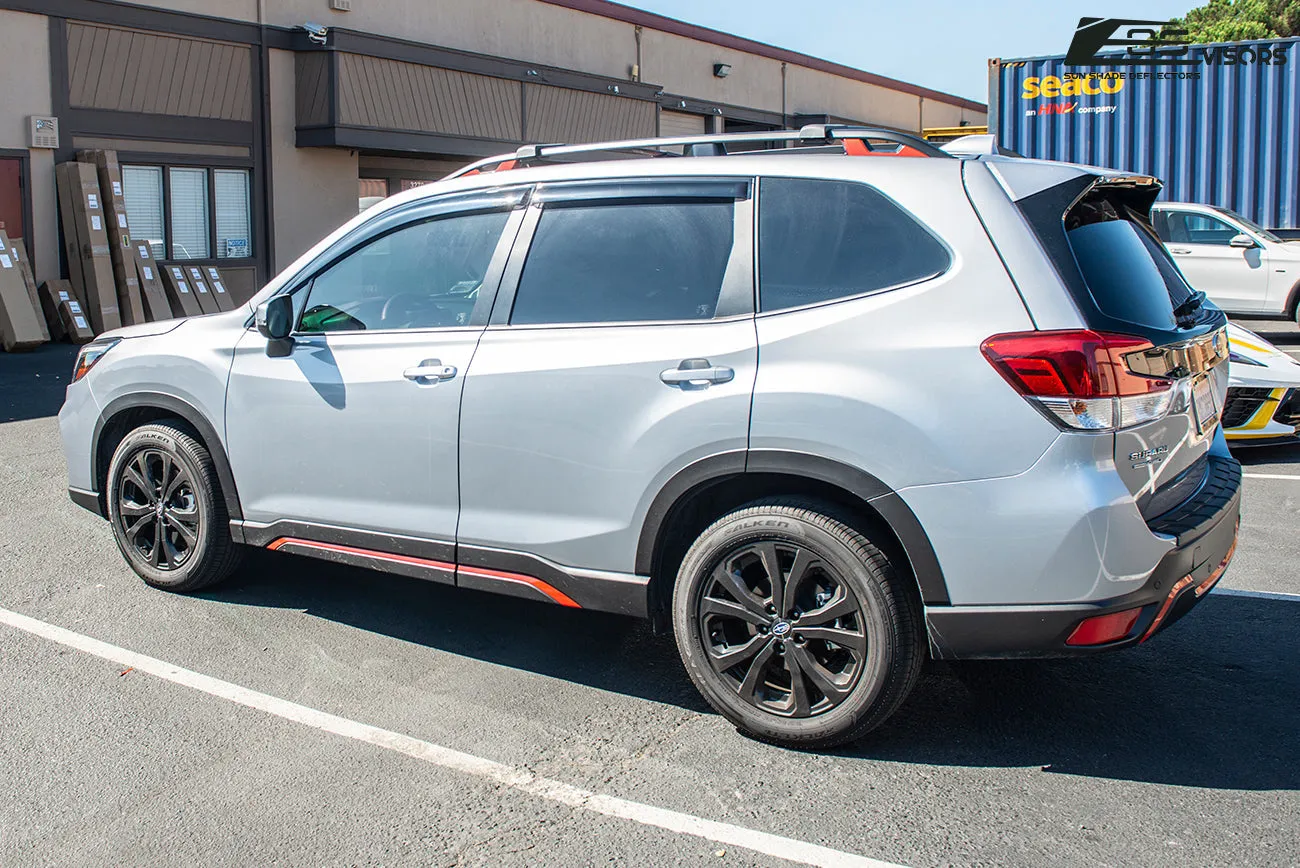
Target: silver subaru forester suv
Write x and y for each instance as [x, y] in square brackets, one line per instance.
[822, 410]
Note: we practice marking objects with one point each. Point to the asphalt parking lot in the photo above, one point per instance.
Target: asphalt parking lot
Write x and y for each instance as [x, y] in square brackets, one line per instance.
[307, 713]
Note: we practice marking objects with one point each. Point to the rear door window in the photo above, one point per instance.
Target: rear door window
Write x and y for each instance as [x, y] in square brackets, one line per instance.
[626, 262]
[821, 240]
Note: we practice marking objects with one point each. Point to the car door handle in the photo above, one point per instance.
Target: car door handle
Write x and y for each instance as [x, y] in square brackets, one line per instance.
[1179, 250]
[430, 369]
[697, 372]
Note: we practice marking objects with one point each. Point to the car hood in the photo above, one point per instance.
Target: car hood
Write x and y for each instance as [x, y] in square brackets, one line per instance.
[1272, 367]
[144, 329]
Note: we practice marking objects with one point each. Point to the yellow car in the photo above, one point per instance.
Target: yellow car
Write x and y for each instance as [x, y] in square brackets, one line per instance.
[1263, 403]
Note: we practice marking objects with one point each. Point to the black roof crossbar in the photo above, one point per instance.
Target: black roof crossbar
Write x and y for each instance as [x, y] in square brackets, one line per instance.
[813, 137]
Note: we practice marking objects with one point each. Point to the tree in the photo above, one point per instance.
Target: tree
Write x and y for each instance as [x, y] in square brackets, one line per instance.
[1237, 20]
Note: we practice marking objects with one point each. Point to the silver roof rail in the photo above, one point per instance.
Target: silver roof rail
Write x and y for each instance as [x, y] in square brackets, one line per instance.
[823, 134]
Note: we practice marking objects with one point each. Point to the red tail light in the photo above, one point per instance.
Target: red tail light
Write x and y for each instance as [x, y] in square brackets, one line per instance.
[1080, 377]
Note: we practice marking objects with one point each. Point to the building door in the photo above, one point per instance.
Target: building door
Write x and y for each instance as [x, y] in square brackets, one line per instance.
[11, 198]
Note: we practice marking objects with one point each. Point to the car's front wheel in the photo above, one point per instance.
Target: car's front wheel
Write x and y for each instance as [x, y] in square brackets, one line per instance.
[794, 625]
[167, 511]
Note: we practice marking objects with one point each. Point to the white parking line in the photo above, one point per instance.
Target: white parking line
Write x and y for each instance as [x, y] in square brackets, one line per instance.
[1259, 595]
[509, 776]
[1269, 476]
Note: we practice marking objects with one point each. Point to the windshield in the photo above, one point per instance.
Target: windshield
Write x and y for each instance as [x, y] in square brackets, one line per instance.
[1249, 224]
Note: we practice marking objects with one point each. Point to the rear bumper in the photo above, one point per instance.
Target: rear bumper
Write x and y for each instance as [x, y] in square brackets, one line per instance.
[1205, 528]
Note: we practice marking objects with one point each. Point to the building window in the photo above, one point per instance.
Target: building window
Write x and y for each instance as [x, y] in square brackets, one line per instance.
[188, 212]
[231, 205]
[189, 189]
[142, 188]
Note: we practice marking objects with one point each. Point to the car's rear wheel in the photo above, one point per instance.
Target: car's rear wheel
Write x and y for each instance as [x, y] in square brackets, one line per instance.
[167, 511]
[794, 625]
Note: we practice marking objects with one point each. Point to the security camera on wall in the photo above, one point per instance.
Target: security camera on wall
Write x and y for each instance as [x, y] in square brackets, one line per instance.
[317, 33]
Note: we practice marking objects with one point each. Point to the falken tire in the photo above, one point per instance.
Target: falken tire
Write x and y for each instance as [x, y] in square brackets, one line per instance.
[836, 570]
[167, 511]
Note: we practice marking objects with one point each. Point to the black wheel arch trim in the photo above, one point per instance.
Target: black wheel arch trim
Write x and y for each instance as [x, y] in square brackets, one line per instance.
[869, 489]
[87, 500]
[186, 412]
[1292, 309]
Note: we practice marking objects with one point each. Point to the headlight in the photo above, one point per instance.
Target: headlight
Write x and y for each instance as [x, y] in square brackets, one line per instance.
[1236, 359]
[89, 355]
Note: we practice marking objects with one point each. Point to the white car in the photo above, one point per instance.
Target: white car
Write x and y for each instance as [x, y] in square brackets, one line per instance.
[1263, 403]
[1241, 266]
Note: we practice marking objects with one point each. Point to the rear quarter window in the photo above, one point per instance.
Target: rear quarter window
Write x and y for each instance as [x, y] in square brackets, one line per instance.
[820, 241]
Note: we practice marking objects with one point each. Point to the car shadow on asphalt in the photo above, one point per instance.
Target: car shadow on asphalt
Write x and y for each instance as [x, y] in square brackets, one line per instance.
[32, 383]
[1214, 702]
[611, 652]
[1262, 456]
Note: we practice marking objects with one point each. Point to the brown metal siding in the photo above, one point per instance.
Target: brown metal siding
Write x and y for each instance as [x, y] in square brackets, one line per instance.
[311, 88]
[130, 70]
[394, 95]
[682, 124]
[557, 114]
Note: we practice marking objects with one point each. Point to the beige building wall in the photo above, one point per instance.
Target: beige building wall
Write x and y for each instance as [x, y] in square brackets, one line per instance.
[239, 10]
[520, 29]
[314, 190]
[25, 90]
[685, 66]
[551, 35]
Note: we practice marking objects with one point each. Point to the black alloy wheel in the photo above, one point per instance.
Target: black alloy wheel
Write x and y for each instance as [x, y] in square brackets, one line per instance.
[783, 628]
[167, 509]
[157, 510]
[795, 626]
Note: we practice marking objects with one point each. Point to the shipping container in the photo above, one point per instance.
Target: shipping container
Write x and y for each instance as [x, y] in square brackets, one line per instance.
[1217, 133]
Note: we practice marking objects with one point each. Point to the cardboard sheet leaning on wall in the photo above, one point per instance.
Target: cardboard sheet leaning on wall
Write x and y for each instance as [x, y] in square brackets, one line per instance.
[20, 324]
[151, 284]
[19, 253]
[99, 287]
[58, 295]
[182, 298]
[121, 248]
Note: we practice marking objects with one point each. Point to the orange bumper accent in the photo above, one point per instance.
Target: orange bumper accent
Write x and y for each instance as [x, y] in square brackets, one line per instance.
[1201, 590]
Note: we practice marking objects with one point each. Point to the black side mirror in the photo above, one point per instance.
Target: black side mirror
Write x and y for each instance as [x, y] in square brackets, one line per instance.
[274, 318]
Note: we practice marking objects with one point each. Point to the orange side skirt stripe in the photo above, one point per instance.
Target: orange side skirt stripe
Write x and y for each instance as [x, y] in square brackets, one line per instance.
[536, 584]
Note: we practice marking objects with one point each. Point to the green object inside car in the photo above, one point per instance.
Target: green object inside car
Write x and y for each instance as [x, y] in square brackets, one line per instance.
[327, 318]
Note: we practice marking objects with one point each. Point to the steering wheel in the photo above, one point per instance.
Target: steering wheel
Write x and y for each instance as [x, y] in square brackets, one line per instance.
[402, 306]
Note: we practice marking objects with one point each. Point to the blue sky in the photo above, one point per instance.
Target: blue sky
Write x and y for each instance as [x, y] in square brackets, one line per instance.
[943, 44]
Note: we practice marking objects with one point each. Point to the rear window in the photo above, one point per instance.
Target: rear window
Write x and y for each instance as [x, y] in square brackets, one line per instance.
[1120, 265]
[1125, 267]
[824, 240]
